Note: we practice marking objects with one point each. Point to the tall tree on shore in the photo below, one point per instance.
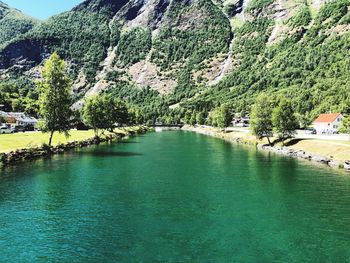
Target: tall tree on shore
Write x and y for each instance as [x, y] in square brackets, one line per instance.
[284, 120]
[55, 97]
[260, 118]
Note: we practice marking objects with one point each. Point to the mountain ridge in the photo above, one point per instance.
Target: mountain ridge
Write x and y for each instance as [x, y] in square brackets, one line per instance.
[14, 23]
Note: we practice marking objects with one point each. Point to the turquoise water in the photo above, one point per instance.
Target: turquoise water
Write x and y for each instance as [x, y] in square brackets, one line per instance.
[173, 197]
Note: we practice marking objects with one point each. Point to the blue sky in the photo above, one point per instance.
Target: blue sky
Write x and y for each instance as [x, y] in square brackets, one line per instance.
[42, 9]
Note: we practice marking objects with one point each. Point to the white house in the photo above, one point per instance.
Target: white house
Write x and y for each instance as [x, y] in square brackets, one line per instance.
[18, 118]
[328, 123]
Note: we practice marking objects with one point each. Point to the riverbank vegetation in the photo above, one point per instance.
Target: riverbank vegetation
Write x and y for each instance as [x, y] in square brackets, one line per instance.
[101, 113]
[34, 151]
[104, 112]
[16, 141]
[330, 152]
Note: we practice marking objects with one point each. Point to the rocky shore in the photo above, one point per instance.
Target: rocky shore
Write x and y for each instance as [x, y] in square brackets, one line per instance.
[286, 151]
[28, 154]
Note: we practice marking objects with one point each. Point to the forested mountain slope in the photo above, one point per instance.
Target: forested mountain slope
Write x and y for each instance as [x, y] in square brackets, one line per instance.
[176, 57]
[13, 23]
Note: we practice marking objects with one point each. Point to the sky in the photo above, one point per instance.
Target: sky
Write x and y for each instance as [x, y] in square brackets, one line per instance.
[42, 9]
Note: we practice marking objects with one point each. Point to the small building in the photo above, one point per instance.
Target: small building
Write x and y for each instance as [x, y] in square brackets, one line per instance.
[241, 121]
[18, 118]
[328, 123]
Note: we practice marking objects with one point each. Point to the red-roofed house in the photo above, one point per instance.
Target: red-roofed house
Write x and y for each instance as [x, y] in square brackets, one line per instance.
[328, 123]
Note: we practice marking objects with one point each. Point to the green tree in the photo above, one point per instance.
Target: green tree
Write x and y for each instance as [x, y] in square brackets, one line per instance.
[187, 117]
[135, 116]
[260, 118]
[345, 127]
[200, 118]
[55, 97]
[93, 114]
[193, 118]
[223, 116]
[104, 112]
[220, 117]
[117, 112]
[284, 120]
[304, 120]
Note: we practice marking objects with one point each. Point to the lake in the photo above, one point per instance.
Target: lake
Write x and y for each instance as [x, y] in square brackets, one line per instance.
[173, 197]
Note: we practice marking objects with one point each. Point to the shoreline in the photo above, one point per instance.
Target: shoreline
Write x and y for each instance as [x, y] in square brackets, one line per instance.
[281, 150]
[30, 154]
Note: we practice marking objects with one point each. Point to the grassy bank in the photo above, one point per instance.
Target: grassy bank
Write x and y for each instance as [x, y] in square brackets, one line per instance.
[338, 151]
[12, 142]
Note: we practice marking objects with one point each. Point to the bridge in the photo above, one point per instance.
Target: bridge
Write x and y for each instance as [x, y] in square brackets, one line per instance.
[162, 127]
[168, 126]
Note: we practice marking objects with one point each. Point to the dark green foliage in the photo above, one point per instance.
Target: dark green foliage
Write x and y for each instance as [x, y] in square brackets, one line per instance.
[113, 75]
[258, 4]
[345, 127]
[260, 117]
[80, 37]
[284, 120]
[134, 46]
[149, 101]
[202, 40]
[334, 10]
[13, 23]
[220, 117]
[200, 118]
[55, 97]
[19, 95]
[302, 18]
[104, 113]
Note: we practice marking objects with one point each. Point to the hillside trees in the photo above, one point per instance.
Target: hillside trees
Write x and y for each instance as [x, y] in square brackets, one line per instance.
[54, 97]
[134, 46]
[302, 18]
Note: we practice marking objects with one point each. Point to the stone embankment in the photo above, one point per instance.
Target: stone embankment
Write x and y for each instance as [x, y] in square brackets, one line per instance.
[304, 155]
[286, 151]
[28, 154]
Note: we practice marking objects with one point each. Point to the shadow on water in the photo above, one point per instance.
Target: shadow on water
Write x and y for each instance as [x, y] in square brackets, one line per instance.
[127, 142]
[111, 154]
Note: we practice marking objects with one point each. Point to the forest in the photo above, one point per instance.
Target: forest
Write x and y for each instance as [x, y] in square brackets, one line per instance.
[309, 66]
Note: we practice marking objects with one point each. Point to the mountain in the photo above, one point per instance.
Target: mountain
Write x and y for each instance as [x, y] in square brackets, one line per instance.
[172, 57]
[13, 23]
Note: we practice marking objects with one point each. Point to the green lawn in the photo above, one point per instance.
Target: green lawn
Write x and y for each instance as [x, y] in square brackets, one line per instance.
[9, 142]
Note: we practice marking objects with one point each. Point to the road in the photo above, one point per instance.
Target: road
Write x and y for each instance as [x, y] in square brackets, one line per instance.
[301, 134]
